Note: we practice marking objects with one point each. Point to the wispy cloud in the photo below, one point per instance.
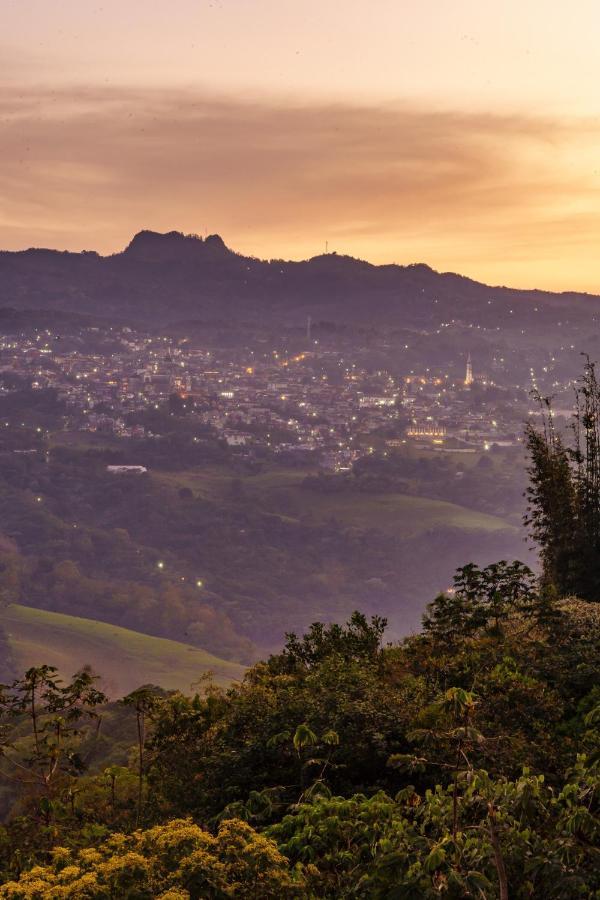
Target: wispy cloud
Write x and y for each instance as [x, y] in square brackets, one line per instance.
[87, 168]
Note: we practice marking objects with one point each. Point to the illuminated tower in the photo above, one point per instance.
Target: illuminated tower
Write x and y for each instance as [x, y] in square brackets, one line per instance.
[469, 372]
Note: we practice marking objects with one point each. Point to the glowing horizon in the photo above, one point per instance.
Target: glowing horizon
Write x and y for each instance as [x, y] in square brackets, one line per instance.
[460, 136]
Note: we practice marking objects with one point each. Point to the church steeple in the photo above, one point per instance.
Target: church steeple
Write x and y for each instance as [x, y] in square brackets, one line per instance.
[469, 373]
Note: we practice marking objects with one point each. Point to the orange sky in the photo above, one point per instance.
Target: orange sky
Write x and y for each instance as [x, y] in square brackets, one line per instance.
[463, 134]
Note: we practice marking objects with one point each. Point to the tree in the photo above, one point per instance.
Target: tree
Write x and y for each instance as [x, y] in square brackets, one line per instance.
[305, 743]
[211, 752]
[482, 599]
[564, 493]
[551, 512]
[174, 861]
[358, 639]
[454, 731]
[56, 713]
[144, 701]
[54, 721]
[517, 838]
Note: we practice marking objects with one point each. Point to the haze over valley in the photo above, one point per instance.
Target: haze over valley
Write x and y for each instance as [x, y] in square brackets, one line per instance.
[215, 449]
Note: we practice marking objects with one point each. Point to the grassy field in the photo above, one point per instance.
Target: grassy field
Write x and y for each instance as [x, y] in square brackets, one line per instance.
[279, 491]
[125, 659]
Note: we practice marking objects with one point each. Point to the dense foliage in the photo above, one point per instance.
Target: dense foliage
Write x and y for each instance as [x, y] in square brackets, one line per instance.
[463, 762]
[168, 862]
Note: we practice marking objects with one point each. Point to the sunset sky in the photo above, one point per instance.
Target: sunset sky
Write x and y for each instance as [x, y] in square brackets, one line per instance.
[459, 133]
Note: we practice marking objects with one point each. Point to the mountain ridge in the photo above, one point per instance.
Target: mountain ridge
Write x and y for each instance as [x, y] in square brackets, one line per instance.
[161, 276]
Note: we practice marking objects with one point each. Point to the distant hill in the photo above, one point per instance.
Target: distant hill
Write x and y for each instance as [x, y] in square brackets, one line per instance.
[126, 659]
[174, 277]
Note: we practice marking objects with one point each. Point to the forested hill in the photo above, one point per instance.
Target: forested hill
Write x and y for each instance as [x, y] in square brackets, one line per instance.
[162, 277]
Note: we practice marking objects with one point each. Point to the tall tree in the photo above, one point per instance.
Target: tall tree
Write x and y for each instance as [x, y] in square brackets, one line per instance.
[563, 514]
[586, 477]
[551, 501]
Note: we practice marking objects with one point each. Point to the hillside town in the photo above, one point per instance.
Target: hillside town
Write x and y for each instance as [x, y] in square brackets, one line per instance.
[321, 404]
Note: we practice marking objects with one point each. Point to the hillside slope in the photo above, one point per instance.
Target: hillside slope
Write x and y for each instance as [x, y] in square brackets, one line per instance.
[281, 492]
[68, 642]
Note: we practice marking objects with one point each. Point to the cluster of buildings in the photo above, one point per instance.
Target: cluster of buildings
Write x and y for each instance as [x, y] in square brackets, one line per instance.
[318, 403]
